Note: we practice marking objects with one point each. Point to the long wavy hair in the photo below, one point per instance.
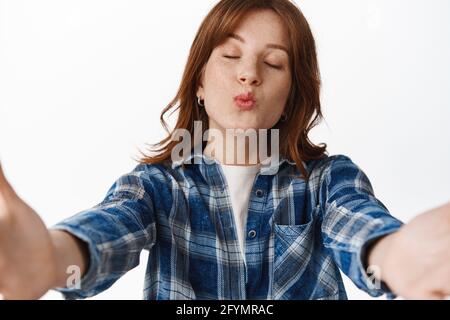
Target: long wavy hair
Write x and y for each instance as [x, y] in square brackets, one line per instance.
[302, 108]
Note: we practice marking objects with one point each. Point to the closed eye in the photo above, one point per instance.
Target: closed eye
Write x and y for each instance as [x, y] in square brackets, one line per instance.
[270, 65]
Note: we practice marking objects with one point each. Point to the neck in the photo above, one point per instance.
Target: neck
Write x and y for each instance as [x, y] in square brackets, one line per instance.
[235, 148]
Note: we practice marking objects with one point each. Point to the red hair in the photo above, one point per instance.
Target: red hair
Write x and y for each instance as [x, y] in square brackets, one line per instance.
[303, 104]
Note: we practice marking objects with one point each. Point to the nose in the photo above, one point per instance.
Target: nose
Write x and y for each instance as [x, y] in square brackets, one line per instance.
[249, 76]
[249, 80]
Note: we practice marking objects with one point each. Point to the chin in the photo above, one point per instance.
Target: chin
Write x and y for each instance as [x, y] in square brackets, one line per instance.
[244, 126]
[241, 122]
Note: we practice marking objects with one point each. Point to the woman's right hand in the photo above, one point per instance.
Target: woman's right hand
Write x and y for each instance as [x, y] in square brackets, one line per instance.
[27, 255]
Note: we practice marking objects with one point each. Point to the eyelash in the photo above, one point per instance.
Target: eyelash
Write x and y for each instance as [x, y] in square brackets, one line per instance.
[270, 65]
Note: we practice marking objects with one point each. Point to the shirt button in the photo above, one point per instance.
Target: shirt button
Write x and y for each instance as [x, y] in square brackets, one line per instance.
[259, 193]
[252, 234]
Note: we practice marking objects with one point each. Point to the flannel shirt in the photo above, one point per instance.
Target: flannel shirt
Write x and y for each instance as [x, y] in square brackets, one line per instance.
[299, 232]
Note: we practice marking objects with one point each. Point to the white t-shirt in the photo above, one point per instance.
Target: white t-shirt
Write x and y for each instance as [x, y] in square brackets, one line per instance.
[240, 182]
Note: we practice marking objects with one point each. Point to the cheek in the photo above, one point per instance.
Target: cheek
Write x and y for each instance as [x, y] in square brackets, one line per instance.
[280, 92]
[217, 83]
[214, 68]
[285, 89]
[284, 84]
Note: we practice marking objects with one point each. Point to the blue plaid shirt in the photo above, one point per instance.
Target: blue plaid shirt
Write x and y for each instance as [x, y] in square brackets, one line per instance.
[298, 234]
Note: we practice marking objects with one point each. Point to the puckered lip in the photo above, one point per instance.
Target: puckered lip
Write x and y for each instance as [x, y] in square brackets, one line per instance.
[247, 96]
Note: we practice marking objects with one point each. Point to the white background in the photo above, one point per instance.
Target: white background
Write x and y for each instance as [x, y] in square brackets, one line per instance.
[82, 84]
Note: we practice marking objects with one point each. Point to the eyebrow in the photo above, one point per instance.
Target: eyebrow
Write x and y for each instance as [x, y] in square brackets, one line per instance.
[270, 45]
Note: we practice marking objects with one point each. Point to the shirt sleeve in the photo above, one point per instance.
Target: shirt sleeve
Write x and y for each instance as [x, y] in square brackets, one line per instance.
[115, 231]
[353, 218]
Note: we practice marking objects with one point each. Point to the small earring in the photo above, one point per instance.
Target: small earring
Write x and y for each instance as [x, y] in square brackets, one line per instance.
[199, 102]
[283, 117]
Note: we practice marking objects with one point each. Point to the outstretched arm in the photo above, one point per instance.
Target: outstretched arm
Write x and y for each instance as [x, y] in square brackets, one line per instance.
[32, 259]
[411, 260]
[102, 243]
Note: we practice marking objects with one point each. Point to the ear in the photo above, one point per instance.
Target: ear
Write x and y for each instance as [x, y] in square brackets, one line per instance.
[200, 91]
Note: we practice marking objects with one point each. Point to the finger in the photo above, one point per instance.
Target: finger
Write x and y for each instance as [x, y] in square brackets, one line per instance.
[2, 175]
[5, 186]
[6, 194]
[433, 296]
[3, 181]
[423, 294]
[443, 209]
[435, 285]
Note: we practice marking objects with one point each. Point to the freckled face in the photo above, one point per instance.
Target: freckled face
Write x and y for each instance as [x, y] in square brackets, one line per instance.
[250, 60]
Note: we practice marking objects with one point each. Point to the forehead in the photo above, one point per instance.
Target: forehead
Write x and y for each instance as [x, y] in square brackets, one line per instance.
[265, 25]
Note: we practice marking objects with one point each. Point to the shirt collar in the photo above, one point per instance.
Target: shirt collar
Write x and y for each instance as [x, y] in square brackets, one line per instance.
[268, 167]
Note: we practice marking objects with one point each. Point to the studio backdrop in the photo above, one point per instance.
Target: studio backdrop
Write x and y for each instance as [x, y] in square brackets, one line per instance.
[82, 85]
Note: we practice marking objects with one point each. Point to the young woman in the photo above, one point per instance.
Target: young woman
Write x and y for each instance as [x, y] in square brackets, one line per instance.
[220, 228]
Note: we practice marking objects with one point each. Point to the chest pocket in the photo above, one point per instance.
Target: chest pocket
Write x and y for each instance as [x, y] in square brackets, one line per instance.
[294, 270]
[292, 252]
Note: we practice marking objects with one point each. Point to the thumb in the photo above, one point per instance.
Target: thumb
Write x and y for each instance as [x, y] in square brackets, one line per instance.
[4, 184]
[2, 176]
